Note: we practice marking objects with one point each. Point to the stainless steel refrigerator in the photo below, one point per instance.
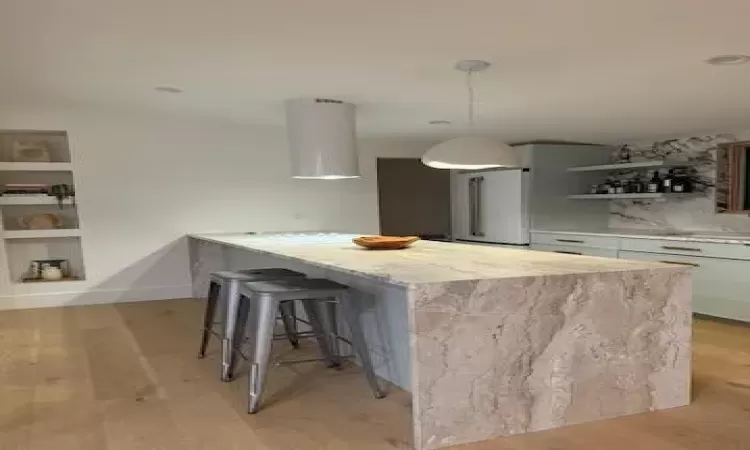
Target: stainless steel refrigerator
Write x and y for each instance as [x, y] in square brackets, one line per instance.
[491, 206]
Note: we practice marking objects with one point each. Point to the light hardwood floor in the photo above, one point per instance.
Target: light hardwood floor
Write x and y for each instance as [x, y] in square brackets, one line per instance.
[125, 377]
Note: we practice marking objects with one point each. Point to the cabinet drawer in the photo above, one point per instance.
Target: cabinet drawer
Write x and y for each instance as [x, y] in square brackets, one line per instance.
[487, 244]
[721, 287]
[576, 250]
[701, 249]
[574, 240]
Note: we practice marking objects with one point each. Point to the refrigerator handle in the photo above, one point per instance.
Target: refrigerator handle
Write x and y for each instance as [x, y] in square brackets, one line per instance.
[472, 205]
[479, 231]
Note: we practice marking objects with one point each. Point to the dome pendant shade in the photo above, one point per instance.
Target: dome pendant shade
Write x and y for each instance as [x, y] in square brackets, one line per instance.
[322, 139]
[471, 153]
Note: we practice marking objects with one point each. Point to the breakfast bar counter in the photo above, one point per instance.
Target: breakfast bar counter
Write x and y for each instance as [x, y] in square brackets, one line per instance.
[495, 341]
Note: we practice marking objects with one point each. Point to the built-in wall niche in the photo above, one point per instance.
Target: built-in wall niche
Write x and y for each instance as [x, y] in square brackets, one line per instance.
[35, 226]
[20, 217]
[34, 146]
[21, 252]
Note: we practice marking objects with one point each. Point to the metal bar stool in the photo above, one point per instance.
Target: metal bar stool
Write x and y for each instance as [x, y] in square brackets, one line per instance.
[224, 288]
[258, 304]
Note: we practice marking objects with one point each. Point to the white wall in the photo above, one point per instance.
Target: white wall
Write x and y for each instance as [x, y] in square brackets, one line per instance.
[144, 181]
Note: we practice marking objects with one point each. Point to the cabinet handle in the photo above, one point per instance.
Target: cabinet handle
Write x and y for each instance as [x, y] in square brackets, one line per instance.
[472, 206]
[571, 241]
[681, 249]
[568, 253]
[479, 226]
[682, 263]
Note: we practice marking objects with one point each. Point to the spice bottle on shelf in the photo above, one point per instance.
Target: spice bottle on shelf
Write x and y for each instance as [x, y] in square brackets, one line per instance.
[667, 181]
[624, 154]
[654, 185]
[636, 185]
[677, 185]
[610, 185]
[681, 183]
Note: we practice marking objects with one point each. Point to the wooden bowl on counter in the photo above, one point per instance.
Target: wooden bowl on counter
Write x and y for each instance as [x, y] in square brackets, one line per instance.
[385, 242]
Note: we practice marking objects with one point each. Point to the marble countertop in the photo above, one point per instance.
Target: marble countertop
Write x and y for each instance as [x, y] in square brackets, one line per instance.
[717, 237]
[425, 261]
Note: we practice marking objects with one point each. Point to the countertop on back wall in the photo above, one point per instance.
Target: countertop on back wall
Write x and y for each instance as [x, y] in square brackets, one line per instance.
[717, 237]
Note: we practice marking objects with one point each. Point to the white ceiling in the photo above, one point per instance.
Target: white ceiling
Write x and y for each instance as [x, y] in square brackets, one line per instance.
[586, 70]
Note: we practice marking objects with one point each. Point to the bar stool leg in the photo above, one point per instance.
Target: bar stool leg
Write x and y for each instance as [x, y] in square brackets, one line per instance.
[232, 301]
[289, 317]
[329, 322]
[244, 314]
[208, 317]
[350, 311]
[264, 323]
[322, 334]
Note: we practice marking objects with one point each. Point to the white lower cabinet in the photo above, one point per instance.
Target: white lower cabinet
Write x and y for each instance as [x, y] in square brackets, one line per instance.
[576, 250]
[721, 287]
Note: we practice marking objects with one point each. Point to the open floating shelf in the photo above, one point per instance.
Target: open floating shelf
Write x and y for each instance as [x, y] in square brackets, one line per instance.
[643, 196]
[632, 165]
[36, 167]
[38, 234]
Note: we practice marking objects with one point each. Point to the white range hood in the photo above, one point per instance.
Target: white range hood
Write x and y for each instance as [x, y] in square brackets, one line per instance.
[322, 138]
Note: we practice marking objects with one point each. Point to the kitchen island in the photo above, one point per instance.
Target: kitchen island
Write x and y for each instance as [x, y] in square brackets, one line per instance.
[493, 341]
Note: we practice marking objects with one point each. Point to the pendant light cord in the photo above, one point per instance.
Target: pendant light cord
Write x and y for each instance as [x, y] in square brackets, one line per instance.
[470, 89]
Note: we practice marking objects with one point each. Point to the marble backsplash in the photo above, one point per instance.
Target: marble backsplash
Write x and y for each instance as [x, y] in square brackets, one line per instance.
[684, 214]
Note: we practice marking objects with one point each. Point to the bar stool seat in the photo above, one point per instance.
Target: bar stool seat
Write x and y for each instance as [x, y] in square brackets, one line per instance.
[224, 289]
[225, 275]
[295, 289]
[260, 299]
[272, 272]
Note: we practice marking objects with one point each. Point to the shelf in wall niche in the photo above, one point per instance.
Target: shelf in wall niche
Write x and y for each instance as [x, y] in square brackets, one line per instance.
[43, 281]
[632, 165]
[644, 196]
[30, 200]
[21, 252]
[36, 167]
[39, 234]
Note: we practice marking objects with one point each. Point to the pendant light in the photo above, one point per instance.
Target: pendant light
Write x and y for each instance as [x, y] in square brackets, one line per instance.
[471, 152]
[322, 139]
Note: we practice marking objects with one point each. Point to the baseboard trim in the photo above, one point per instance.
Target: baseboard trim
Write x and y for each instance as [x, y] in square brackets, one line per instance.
[94, 297]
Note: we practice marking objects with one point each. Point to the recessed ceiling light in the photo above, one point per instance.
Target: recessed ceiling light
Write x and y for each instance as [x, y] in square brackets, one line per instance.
[728, 60]
[169, 89]
[439, 122]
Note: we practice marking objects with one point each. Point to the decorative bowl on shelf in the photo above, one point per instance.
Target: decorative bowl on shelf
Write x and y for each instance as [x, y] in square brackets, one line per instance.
[36, 151]
[385, 242]
[47, 270]
[41, 221]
